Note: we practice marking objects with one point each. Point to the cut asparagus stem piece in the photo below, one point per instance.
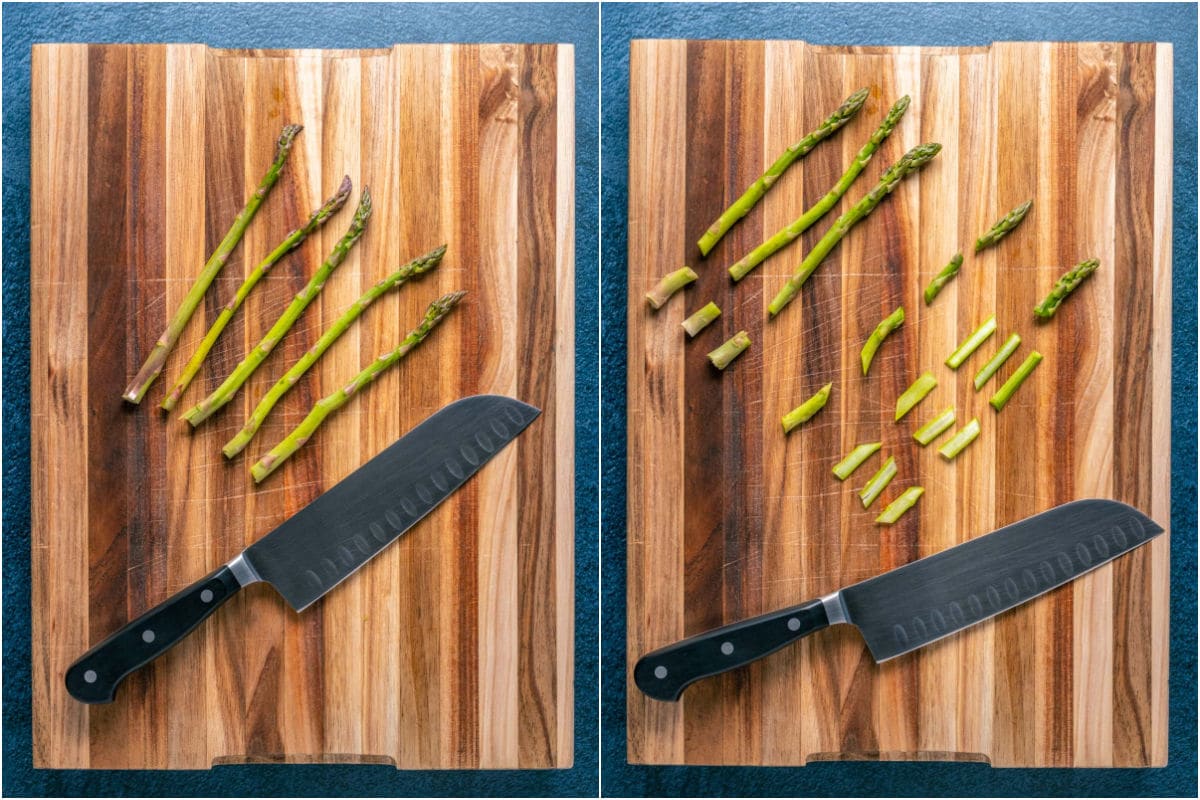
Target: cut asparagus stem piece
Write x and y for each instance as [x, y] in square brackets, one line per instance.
[436, 312]
[990, 368]
[1005, 392]
[701, 319]
[914, 394]
[730, 350]
[1003, 226]
[881, 332]
[743, 204]
[878, 482]
[669, 285]
[806, 410]
[242, 372]
[912, 161]
[290, 243]
[157, 359]
[845, 468]
[942, 278]
[1064, 286]
[398, 278]
[978, 337]
[896, 509]
[959, 441]
[806, 220]
[935, 427]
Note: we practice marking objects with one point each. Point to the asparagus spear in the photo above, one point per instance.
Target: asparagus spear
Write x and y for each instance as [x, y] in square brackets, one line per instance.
[854, 459]
[1064, 286]
[669, 285]
[881, 332]
[727, 352]
[1003, 226]
[809, 217]
[701, 319]
[436, 312]
[977, 337]
[398, 278]
[806, 410]
[935, 427]
[1004, 393]
[942, 278]
[915, 394]
[989, 369]
[157, 359]
[912, 161]
[290, 243]
[743, 204]
[959, 441]
[878, 483]
[895, 509]
[225, 392]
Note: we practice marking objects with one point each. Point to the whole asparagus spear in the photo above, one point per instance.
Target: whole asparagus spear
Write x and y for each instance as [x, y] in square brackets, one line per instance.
[743, 204]
[225, 392]
[909, 163]
[293, 240]
[806, 220]
[1003, 226]
[157, 359]
[398, 278]
[437, 310]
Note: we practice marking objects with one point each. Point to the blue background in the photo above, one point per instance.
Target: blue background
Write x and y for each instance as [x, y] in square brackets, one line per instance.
[915, 24]
[286, 26]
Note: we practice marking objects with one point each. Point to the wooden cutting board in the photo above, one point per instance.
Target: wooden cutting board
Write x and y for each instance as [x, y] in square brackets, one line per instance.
[729, 518]
[452, 649]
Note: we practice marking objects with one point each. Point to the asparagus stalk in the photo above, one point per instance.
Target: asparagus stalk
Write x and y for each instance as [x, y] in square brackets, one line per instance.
[806, 220]
[242, 372]
[743, 204]
[977, 337]
[912, 161]
[1003, 226]
[157, 359]
[990, 368]
[1064, 286]
[669, 285]
[701, 319]
[881, 332]
[942, 278]
[896, 509]
[807, 410]
[727, 352]
[959, 441]
[914, 394]
[935, 427]
[290, 243]
[1004, 393]
[398, 278]
[878, 483]
[854, 459]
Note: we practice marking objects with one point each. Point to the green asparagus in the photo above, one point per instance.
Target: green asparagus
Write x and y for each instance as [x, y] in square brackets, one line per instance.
[701, 319]
[878, 483]
[1064, 286]
[895, 509]
[437, 311]
[977, 337]
[959, 441]
[912, 161]
[1004, 393]
[935, 427]
[881, 332]
[915, 394]
[1004, 226]
[669, 285]
[854, 459]
[942, 278]
[807, 410]
[989, 369]
[806, 220]
[743, 204]
[157, 359]
[727, 352]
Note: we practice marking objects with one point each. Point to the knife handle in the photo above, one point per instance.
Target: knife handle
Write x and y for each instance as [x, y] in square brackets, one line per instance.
[95, 676]
[665, 673]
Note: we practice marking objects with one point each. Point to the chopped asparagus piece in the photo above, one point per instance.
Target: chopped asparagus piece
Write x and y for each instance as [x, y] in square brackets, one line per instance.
[972, 343]
[990, 368]
[959, 441]
[1064, 286]
[1004, 226]
[701, 319]
[935, 427]
[878, 482]
[730, 350]
[942, 278]
[915, 394]
[669, 285]
[901, 504]
[845, 468]
[1005, 392]
[881, 332]
[806, 410]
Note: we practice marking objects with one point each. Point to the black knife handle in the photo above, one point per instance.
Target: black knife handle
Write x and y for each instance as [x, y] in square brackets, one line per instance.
[95, 676]
[666, 672]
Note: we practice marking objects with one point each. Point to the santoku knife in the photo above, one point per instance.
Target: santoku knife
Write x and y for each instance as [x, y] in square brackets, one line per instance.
[922, 602]
[325, 542]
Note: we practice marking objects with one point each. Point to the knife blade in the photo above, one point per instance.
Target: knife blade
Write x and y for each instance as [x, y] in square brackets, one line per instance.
[921, 602]
[326, 541]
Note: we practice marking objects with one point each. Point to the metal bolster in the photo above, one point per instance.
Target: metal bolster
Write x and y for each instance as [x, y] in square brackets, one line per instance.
[835, 608]
[242, 571]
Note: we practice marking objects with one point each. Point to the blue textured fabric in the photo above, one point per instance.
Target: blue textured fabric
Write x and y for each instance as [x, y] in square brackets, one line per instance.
[280, 25]
[895, 24]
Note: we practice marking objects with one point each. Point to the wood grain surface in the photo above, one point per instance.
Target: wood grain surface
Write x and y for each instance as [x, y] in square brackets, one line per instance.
[728, 518]
[452, 648]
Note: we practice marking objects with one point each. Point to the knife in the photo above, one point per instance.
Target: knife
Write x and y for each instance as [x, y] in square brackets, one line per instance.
[921, 602]
[325, 542]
